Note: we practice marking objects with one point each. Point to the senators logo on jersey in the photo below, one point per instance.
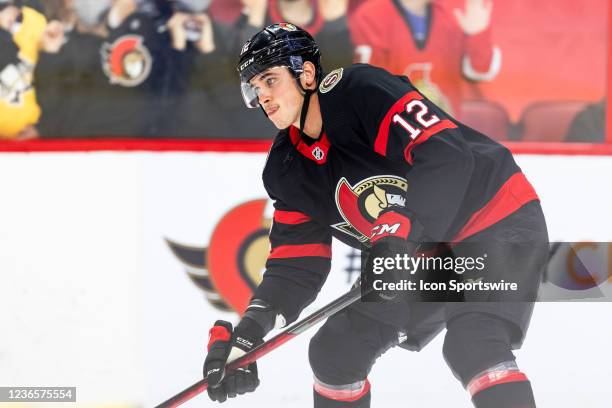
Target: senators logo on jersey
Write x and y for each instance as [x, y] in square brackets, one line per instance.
[127, 61]
[360, 205]
[331, 80]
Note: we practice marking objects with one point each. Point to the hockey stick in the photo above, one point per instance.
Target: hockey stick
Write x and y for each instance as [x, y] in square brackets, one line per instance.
[292, 331]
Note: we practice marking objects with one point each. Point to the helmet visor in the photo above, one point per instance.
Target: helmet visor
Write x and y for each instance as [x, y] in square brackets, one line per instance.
[249, 94]
[264, 81]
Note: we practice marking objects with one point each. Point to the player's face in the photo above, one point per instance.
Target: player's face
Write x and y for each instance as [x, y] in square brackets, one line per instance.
[279, 96]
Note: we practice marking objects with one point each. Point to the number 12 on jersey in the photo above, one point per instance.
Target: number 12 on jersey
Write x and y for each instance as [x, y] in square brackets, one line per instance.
[420, 110]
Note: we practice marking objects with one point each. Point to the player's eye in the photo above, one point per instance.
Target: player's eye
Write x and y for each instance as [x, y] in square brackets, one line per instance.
[270, 81]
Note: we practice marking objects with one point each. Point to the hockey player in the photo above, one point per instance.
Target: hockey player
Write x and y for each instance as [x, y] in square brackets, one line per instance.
[357, 149]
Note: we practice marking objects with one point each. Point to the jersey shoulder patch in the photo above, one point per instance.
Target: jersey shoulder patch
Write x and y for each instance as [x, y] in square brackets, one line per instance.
[331, 80]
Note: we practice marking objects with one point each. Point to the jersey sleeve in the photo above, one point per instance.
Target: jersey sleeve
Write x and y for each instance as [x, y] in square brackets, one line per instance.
[298, 263]
[406, 128]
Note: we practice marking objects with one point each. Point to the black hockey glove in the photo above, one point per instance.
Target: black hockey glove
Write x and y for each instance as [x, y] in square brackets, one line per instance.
[226, 345]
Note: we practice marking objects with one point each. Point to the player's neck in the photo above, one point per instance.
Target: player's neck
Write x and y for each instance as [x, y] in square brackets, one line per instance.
[314, 122]
[417, 7]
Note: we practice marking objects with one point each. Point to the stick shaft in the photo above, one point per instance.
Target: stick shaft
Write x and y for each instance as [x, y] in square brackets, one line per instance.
[292, 331]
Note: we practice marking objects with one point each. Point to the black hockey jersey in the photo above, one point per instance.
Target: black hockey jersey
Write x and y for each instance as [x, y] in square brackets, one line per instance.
[383, 144]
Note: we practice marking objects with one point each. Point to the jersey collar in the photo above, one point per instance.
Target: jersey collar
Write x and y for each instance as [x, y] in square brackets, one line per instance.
[316, 152]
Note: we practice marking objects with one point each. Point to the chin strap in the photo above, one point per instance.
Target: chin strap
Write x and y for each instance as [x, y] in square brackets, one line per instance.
[307, 95]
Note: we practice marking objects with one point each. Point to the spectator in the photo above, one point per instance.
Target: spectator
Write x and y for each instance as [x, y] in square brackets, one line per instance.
[229, 10]
[326, 20]
[226, 11]
[83, 16]
[205, 102]
[67, 82]
[423, 40]
[115, 85]
[136, 63]
[589, 125]
[24, 32]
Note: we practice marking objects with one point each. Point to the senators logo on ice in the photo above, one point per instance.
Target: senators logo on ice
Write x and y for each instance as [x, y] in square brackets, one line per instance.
[360, 205]
[231, 267]
[127, 61]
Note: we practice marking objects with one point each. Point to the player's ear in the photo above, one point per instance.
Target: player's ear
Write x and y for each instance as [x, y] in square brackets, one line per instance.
[309, 76]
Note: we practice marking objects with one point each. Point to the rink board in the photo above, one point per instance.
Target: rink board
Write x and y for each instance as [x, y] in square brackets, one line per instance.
[92, 296]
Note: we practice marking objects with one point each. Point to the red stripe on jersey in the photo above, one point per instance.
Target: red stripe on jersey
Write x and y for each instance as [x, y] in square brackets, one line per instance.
[218, 333]
[512, 195]
[425, 135]
[382, 138]
[336, 394]
[391, 224]
[290, 217]
[493, 378]
[297, 251]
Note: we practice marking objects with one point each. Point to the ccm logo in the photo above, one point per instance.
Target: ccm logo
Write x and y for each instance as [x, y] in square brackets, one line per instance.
[385, 229]
[246, 63]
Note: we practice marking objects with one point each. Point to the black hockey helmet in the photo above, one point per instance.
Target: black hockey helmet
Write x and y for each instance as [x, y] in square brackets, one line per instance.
[280, 44]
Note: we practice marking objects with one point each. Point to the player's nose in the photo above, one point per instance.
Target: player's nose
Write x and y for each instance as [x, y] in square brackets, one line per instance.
[264, 96]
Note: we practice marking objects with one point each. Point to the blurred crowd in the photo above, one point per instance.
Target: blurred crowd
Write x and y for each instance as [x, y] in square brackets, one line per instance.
[166, 68]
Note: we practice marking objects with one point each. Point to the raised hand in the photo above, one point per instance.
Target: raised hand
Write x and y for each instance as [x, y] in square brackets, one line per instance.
[476, 16]
[256, 11]
[176, 26]
[53, 37]
[333, 9]
[206, 43]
